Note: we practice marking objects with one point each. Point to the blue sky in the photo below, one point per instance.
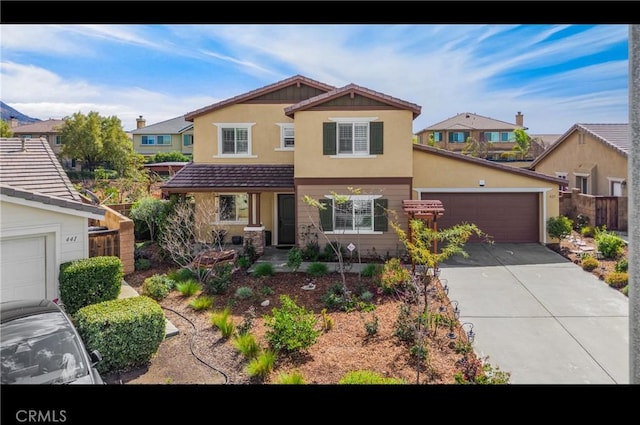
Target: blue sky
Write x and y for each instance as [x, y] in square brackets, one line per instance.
[556, 75]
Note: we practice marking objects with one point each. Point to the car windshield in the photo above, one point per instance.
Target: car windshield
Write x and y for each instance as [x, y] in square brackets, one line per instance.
[41, 349]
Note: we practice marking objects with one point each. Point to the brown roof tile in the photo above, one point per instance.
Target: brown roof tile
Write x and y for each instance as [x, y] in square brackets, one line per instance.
[227, 177]
[39, 127]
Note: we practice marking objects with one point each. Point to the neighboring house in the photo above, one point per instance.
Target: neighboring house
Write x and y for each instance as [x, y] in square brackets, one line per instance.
[267, 149]
[174, 135]
[496, 137]
[593, 160]
[48, 129]
[44, 221]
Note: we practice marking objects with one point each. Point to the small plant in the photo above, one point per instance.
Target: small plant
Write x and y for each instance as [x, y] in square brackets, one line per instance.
[243, 262]
[609, 244]
[262, 365]
[419, 352]
[222, 321]
[617, 280]
[368, 377]
[142, 264]
[294, 259]
[589, 263]
[317, 269]
[327, 321]
[559, 227]
[157, 286]
[247, 320]
[393, 274]
[203, 302]
[622, 265]
[220, 279]
[181, 275]
[246, 344]
[189, 287]
[293, 378]
[291, 327]
[587, 231]
[264, 270]
[370, 270]
[371, 327]
[266, 291]
[477, 371]
[335, 298]
[625, 290]
[244, 292]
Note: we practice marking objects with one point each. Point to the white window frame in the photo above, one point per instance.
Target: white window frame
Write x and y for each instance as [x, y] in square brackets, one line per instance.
[241, 201]
[353, 121]
[236, 126]
[287, 131]
[354, 231]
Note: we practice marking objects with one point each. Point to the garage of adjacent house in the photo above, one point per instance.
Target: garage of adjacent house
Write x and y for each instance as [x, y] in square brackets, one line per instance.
[505, 216]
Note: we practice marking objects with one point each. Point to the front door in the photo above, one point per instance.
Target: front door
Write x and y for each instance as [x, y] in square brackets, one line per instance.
[286, 219]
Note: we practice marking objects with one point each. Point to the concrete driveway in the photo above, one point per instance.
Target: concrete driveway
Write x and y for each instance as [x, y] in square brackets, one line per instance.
[539, 316]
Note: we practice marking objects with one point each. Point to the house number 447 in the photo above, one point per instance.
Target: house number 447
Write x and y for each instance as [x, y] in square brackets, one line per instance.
[71, 239]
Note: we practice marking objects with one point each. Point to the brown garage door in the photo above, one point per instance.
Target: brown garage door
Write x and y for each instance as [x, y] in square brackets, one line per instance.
[506, 217]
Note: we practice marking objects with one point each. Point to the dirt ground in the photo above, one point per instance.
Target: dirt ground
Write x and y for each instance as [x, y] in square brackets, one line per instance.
[200, 355]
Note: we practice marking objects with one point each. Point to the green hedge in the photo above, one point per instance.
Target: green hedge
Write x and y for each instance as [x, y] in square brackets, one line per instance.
[127, 331]
[89, 281]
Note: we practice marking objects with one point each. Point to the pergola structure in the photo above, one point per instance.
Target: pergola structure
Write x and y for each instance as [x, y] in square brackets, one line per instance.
[426, 209]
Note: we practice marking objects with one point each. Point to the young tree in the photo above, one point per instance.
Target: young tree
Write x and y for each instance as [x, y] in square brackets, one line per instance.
[523, 143]
[5, 129]
[477, 148]
[150, 211]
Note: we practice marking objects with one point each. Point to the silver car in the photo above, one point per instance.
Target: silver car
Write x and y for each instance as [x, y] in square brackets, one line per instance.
[40, 345]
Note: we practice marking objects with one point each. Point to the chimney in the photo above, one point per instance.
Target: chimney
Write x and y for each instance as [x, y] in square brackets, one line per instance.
[14, 121]
[520, 119]
[140, 122]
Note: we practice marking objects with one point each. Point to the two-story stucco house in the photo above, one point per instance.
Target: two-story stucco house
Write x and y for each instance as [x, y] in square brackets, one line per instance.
[173, 135]
[260, 153]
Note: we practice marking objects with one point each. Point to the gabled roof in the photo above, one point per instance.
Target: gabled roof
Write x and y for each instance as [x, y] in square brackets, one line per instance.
[296, 80]
[615, 136]
[26, 195]
[546, 140]
[40, 127]
[486, 163]
[175, 125]
[352, 90]
[227, 177]
[30, 164]
[468, 121]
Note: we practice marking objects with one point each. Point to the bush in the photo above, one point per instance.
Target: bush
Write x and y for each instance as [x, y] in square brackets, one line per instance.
[609, 244]
[189, 288]
[243, 262]
[294, 259]
[368, 377]
[617, 280]
[202, 302]
[142, 264]
[126, 331]
[219, 281]
[291, 327]
[157, 286]
[263, 270]
[317, 269]
[89, 281]
[559, 227]
[394, 273]
[244, 292]
[588, 231]
[622, 265]
[589, 263]
[181, 275]
[371, 270]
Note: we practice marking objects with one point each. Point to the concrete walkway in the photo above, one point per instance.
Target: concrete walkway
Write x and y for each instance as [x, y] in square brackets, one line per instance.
[127, 291]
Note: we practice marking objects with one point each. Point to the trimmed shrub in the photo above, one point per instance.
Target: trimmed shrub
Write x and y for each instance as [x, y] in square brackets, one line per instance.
[559, 227]
[589, 263]
[126, 331]
[89, 281]
[617, 280]
[291, 327]
[622, 265]
[157, 286]
[609, 244]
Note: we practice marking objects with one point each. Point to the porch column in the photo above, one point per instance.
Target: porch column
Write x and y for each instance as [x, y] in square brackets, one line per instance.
[254, 210]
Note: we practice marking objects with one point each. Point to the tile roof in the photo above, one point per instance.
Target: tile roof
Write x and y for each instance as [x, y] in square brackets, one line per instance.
[296, 79]
[353, 89]
[615, 136]
[40, 127]
[487, 163]
[208, 177]
[172, 126]
[469, 121]
[34, 168]
[51, 200]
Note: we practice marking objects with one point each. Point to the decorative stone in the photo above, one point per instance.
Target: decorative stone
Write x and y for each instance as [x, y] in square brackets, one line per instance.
[265, 303]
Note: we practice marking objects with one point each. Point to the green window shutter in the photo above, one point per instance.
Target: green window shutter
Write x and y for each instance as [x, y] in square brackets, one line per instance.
[326, 215]
[376, 140]
[329, 138]
[380, 221]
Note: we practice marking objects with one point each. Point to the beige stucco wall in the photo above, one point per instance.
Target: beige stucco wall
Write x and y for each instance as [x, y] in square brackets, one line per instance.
[265, 134]
[66, 235]
[383, 244]
[571, 155]
[432, 171]
[394, 162]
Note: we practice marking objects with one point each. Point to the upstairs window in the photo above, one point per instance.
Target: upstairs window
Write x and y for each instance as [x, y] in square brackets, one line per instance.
[507, 136]
[58, 140]
[459, 136]
[349, 138]
[163, 139]
[437, 136]
[234, 139]
[187, 139]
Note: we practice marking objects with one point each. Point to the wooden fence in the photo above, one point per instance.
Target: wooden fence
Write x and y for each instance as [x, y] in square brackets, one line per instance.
[104, 243]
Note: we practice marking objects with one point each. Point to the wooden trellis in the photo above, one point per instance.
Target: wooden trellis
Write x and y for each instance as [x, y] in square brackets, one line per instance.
[425, 209]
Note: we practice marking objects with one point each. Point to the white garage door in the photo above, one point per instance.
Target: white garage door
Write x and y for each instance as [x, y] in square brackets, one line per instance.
[23, 273]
